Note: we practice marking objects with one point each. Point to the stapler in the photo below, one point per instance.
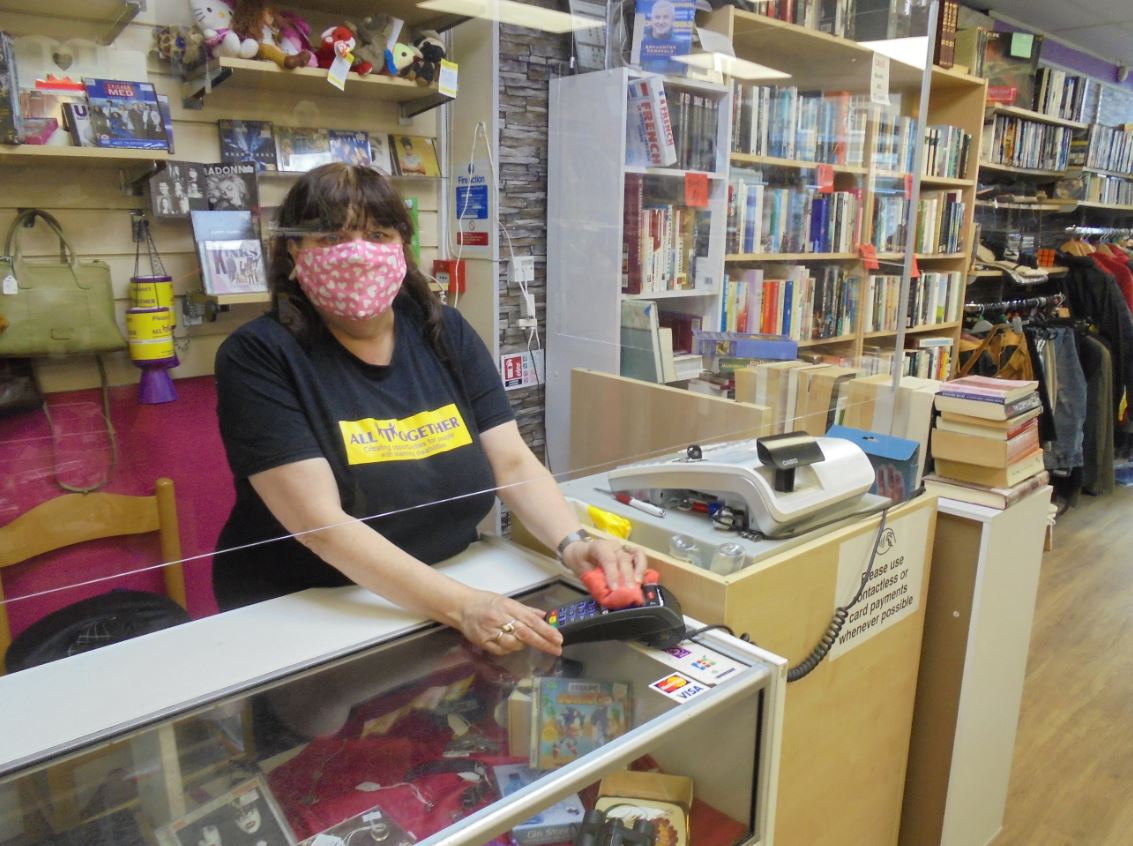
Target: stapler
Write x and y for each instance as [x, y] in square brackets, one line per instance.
[780, 485]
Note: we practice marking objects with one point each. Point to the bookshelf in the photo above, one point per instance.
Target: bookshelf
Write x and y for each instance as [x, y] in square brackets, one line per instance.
[587, 203]
[818, 61]
[114, 15]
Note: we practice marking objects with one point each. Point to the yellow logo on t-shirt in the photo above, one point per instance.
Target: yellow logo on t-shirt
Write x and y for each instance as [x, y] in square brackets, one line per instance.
[369, 441]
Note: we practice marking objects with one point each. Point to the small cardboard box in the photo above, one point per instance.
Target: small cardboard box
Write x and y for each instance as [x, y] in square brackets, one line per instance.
[556, 824]
[895, 460]
[665, 800]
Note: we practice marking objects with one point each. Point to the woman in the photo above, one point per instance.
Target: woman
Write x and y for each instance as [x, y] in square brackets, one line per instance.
[359, 395]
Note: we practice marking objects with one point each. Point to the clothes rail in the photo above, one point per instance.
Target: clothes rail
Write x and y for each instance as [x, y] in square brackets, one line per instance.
[1015, 305]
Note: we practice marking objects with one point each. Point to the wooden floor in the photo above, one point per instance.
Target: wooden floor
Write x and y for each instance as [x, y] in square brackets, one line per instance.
[1072, 781]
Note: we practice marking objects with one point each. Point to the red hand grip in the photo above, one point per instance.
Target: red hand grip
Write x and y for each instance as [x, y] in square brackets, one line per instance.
[620, 597]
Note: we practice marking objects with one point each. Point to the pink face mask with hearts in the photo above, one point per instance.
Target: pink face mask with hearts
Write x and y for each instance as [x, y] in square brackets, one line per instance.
[356, 279]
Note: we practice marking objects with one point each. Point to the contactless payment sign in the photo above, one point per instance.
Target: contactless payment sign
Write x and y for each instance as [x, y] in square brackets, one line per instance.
[679, 687]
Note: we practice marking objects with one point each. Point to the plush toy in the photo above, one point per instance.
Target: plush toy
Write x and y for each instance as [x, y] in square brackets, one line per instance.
[427, 66]
[283, 36]
[371, 34]
[400, 58]
[338, 41]
[214, 19]
[182, 46]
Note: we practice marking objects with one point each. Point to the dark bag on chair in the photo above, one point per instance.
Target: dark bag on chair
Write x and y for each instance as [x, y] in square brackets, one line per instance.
[90, 623]
[60, 306]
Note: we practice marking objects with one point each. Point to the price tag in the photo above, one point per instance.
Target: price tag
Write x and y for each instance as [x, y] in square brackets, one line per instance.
[825, 179]
[339, 68]
[869, 256]
[879, 80]
[447, 83]
[916, 271]
[10, 287]
[908, 186]
[696, 190]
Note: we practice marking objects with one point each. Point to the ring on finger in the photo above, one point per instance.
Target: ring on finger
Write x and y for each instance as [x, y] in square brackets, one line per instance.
[509, 626]
[496, 637]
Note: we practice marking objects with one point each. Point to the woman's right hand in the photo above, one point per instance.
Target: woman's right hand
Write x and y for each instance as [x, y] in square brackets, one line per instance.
[499, 625]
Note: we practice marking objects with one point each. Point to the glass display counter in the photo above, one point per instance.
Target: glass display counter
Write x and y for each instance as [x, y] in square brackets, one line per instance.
[394, 730]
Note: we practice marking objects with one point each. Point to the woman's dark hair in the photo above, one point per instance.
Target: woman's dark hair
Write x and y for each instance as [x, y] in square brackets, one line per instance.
[328, 199]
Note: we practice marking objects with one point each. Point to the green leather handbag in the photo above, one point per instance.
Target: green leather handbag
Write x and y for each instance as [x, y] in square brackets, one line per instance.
[54, 307]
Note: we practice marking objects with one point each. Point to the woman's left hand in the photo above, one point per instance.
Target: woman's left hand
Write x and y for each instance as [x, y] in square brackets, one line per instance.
[623, 565]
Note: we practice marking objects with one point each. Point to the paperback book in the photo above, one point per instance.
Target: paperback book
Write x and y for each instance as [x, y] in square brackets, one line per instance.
[662, 31]
[573, 717]
[992, 477]
[414, 155]
[649, 131]
[998, 498]
[247, 140]
[299, 149]
[125, 114]
[232, 186]
[350, 146]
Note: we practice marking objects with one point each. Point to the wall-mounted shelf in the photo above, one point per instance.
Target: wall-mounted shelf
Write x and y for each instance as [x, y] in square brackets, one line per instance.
[35, 154]
[1037, 117]
[240, 299]
[796, 164]
[1114, 207]
[115, 14]
[1045, 206]
[1022, 171]
[407, 10]
[672, 295]
[228, 73]
[840, 339]
[1101, 171]
[756, 257]
[915, 330]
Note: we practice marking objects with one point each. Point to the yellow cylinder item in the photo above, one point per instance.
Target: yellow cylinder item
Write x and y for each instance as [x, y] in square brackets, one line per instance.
[155, 292]
[149, 333]
[613, 524]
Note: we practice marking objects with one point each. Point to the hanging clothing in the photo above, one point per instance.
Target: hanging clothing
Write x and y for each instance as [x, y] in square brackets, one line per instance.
[1118, 265]
[1068, 393]
[1093, 294]
[1097, 436]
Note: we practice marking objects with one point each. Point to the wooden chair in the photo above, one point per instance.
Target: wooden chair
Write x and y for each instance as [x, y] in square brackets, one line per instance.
[77, 518]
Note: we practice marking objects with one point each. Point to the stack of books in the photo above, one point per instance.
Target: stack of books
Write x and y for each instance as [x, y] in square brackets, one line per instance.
[986, 442]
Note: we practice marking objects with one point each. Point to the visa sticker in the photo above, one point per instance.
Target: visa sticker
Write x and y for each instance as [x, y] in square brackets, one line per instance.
[679, 687]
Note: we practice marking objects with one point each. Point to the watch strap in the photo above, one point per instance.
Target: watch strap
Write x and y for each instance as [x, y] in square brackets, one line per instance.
[578, 535]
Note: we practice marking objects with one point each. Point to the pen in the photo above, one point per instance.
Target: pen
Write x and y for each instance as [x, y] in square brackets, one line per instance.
[633, 502]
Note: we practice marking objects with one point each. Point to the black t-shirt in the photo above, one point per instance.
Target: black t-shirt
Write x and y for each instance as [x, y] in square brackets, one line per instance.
[402, 439]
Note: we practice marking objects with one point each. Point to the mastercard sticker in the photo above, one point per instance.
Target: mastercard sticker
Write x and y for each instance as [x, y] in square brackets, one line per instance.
[679, 687]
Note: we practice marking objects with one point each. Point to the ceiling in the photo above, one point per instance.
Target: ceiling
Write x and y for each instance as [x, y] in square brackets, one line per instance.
[1101, 27]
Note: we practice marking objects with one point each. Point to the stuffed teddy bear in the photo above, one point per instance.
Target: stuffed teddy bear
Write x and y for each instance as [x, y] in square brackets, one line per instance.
[338, 41]
[427, 66]
[370, 34]
[214, 19]
[283, 36]
[400, 58]
[182, 46]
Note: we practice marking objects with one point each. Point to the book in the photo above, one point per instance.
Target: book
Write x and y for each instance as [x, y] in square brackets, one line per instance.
[944, 44]
[662, 31]
[649, 132]
[414, 155]
[76, 120]
[232, 186]
[380, 158]
[640, 341]
[987, 409]
[992, 477]
[11, 120]
[1009, 63]
[554, 824]
[573, 717]
[247, 140]
[998, 498]
[299, 149]
[1000, 430]
[350, 146]
[246, 815]
[125, 114]
[996, 390]
[973, 449]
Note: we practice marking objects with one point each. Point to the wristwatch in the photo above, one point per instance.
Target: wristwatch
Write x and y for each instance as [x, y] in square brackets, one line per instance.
[579, 535]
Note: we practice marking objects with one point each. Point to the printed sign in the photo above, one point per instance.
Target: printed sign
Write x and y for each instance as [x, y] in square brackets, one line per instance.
[522, 369]
[893, 591]
[472, 205]
[679, 687]
[879, 80]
